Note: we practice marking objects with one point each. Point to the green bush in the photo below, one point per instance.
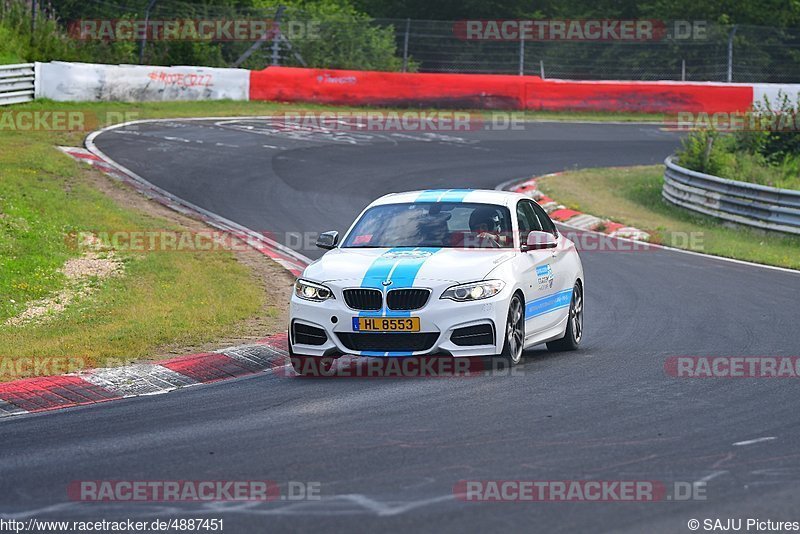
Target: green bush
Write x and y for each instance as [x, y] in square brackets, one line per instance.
[11, 48]
[17, 45]
[764, 154]
[347, 37]
[704, 151]
[775, 146]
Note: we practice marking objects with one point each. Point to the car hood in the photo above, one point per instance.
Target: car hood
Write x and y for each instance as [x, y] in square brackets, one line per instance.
[403, 266]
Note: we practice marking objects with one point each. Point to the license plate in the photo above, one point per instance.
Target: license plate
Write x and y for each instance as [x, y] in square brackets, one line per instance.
[386, 324]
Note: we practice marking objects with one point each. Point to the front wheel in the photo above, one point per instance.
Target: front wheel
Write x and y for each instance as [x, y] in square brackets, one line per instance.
[514, 333]
[572, 337]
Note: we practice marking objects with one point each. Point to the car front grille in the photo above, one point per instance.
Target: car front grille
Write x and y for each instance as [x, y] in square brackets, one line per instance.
[407, 299]
[388, 342]
[363, 299]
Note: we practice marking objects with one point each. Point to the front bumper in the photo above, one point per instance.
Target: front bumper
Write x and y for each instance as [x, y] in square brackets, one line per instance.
[439, 318]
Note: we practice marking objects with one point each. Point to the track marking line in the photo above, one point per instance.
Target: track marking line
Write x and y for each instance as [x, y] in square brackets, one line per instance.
[753, 441]
[710, 477]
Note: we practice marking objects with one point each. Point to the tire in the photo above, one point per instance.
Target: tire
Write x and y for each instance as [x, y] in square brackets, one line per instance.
[514, 334]
[574, 334]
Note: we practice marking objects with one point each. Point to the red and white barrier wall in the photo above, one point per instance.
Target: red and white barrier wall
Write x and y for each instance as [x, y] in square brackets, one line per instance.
[90, 82]
[494, 91]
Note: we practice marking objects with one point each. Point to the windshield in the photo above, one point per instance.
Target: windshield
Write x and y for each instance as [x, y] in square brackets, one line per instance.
[433, 224]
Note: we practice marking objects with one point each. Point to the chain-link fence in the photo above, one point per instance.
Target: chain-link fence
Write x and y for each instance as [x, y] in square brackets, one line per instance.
[752, 53]
[348, 40]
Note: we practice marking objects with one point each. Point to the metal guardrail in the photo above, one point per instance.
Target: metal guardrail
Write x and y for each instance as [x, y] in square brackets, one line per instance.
[17, 83]
[757, 205]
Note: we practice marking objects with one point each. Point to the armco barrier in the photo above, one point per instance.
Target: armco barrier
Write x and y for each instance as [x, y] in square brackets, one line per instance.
[17, 83]
[757, 205]
[87, 82]
[493, 91]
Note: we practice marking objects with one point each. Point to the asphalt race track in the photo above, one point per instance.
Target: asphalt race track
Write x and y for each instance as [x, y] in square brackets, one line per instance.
[388, 452]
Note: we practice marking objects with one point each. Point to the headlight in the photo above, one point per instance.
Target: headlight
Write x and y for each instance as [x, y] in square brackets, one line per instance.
[474, 290]
[310, 291]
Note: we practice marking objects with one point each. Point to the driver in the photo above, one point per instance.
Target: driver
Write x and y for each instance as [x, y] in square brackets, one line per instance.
[484, 222]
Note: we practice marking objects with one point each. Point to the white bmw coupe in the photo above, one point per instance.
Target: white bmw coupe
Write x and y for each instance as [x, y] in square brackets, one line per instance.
[447, 272]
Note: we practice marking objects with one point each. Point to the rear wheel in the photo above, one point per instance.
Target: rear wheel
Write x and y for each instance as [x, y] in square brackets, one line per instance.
[572, 337]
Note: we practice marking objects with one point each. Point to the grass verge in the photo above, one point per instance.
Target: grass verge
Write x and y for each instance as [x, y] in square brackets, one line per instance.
[165, 302]
[632, 196]
[154, 110]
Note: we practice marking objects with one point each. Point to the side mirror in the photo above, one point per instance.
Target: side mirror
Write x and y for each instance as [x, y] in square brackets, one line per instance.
[328, 240]
[539, 240]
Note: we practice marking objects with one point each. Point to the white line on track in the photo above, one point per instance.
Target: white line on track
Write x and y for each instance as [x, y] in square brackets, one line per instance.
[753, 441]
[711, 476]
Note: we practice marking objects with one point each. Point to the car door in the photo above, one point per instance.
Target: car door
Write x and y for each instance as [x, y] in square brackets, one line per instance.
[553, 269]
[535, 271]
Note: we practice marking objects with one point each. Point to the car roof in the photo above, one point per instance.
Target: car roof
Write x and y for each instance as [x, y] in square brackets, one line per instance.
[479, 196]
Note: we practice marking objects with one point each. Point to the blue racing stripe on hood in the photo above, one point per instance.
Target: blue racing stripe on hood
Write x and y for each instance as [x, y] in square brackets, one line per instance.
[443, 195]
[402, 271]
[380, 269]
[455, 195]
[406, 269]
[396, 354]
[401, 265]
[431, 195]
